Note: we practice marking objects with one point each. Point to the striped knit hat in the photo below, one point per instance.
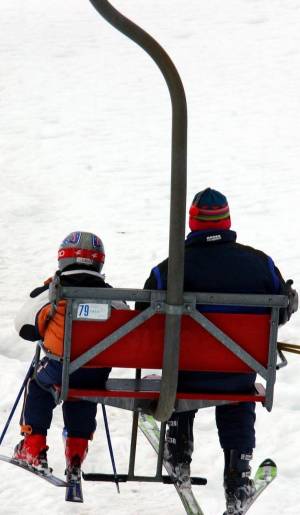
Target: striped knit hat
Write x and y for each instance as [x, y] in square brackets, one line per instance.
[209, 211]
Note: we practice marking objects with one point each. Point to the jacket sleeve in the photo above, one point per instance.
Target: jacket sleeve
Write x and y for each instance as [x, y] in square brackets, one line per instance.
[282, 287]
[26, 320]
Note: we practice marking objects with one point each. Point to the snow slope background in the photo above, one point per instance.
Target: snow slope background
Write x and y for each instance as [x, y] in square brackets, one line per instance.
[85, 144]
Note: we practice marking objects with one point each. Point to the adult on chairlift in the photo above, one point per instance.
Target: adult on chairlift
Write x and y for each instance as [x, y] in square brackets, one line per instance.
[80, 261]
[215, 262]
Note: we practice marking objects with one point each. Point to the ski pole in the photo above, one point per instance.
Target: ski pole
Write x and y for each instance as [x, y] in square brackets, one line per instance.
[29, 373]
[289, 347]
[110, 447]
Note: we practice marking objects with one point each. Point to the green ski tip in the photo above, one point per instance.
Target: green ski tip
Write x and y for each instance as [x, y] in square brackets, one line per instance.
[267, 471]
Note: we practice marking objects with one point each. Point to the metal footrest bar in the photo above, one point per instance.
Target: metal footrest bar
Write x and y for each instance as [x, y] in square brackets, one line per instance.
[123, 478]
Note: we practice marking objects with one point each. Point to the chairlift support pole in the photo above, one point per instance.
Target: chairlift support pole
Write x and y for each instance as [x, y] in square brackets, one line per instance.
[174, 301]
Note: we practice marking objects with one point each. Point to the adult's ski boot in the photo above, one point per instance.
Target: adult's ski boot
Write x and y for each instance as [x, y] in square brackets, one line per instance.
[239, 488]
[179, 446]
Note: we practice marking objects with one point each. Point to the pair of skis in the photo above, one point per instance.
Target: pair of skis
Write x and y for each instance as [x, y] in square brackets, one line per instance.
[265, 474]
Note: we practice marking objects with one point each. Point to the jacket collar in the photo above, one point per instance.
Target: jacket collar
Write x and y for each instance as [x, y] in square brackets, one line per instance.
[83, 271]
[209, 237]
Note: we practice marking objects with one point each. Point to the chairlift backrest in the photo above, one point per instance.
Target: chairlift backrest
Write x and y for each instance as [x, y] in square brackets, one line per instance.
[98, 336]
[199, 350]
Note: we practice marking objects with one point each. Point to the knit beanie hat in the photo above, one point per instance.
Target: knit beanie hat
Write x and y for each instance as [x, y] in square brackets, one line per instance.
[209, 211]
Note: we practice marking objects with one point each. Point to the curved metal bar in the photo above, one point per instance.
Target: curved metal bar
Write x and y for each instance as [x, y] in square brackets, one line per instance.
[178, 198]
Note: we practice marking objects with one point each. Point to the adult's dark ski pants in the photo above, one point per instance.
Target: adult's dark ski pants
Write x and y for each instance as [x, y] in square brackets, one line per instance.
[235, 422]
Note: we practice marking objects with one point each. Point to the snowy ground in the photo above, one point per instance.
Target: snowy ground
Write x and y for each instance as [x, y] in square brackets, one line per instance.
[85, 144]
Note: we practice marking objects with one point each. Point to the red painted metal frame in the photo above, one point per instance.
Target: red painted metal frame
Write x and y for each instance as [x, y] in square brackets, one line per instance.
[143, 349]
[258, 396]
[199, 350]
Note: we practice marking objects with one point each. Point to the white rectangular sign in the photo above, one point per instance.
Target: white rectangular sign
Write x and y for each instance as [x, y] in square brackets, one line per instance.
[93, 311]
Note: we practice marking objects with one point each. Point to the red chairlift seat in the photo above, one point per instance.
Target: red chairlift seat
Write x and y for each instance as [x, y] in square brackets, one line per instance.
[210, 342]
[199, 351]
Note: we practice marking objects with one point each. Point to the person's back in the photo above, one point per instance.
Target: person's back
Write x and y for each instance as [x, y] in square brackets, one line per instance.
[222, 265]
[215, 262]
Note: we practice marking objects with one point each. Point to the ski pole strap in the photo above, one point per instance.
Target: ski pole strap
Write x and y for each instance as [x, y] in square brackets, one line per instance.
[110, 447]
[289, 347]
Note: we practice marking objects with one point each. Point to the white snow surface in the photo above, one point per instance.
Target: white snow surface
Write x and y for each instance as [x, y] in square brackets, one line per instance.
[85, 145]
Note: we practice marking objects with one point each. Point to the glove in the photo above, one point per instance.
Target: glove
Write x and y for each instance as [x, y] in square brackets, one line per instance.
[293, 299]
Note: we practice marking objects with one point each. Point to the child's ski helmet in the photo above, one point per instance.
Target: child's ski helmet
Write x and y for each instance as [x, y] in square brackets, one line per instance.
[82, 248]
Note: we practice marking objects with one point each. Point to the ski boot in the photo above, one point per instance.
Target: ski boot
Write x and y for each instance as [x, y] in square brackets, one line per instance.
[75, 451]
[179, 446]
[32, 450]
[239, 488]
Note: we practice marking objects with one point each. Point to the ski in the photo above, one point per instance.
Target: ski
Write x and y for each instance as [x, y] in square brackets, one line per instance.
[74, 487]
[48, 476]
[265, 474]
[150, 429]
